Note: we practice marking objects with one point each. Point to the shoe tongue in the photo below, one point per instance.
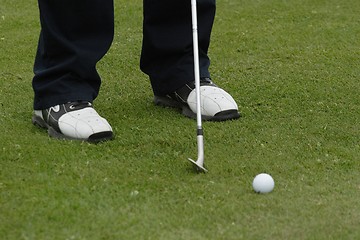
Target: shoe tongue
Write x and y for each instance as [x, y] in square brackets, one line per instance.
[206, 81]
[78, 105]
[182, 93]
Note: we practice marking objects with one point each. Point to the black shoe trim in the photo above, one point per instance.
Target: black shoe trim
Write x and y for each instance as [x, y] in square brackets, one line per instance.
[186, 111]
[100, 137]
[51, 117]
[182, 93]
[179, 97]
[227, 115]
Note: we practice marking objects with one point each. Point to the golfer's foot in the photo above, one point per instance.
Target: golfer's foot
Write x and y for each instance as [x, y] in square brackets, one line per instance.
[216, 104]
[75, 121]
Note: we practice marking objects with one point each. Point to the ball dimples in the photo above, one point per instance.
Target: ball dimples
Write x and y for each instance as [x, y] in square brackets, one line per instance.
[263, 183]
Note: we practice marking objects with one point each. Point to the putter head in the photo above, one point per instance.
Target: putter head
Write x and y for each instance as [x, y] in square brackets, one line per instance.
[198, 165]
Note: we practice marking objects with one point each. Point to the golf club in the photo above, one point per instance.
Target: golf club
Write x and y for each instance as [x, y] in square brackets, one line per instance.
[199, 163]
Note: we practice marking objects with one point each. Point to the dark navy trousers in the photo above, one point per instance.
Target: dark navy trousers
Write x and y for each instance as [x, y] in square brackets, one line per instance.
[76, 34]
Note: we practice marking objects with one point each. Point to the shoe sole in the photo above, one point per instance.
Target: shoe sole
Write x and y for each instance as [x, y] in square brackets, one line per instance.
[94, 138]
[186, 111]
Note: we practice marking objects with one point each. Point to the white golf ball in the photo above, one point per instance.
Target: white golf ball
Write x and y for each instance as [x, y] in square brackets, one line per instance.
[263, 183]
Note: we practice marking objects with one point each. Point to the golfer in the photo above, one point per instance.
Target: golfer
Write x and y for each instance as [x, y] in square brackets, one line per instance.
[75, 35]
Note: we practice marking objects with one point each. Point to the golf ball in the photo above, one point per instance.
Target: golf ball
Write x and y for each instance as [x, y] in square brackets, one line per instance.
[263, 183]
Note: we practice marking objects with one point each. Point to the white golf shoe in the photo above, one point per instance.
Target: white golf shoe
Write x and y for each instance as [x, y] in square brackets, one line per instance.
[216, 104]
[74, 120]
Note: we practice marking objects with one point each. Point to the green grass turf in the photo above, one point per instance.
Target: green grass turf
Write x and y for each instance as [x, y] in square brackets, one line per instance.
[293, 67]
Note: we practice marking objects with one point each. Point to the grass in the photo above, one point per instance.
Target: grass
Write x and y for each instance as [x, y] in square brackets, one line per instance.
[293, 67]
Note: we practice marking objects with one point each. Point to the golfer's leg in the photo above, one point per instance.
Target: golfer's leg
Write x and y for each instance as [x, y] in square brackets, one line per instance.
[167, 53]
[75, 34]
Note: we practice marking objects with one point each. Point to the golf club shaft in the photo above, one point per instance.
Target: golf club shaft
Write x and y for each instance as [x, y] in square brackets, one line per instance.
[200, 140]
[196, 63]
